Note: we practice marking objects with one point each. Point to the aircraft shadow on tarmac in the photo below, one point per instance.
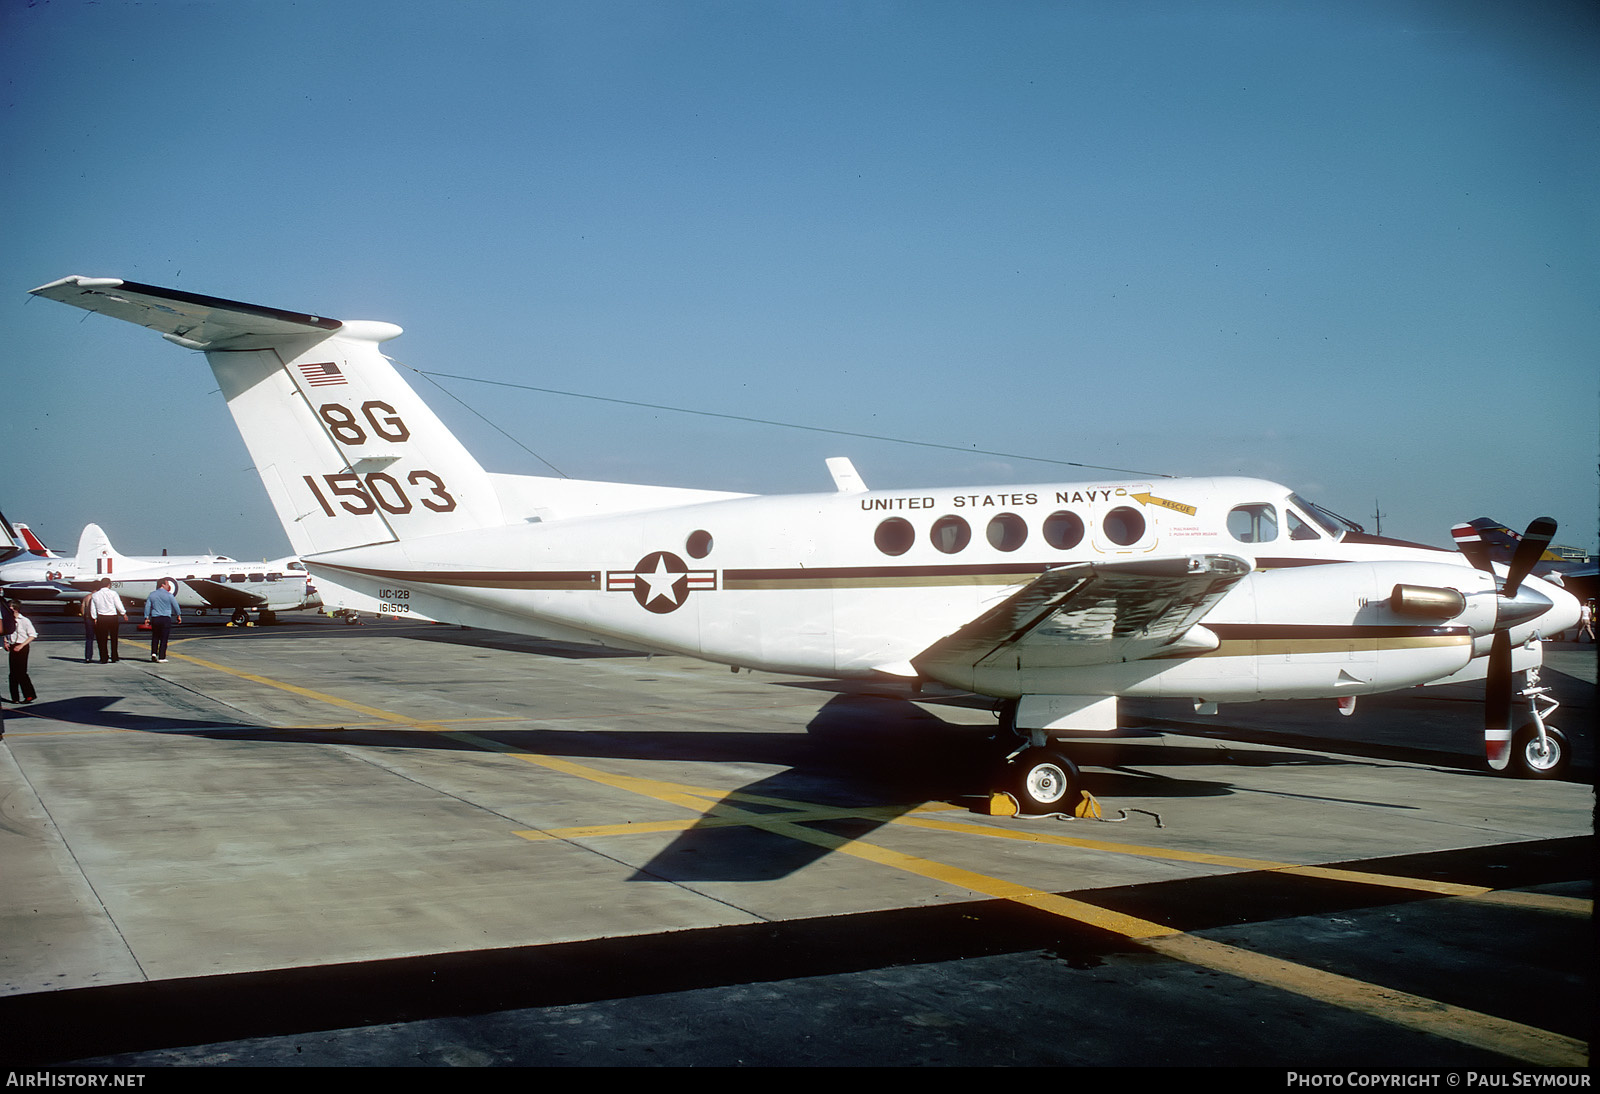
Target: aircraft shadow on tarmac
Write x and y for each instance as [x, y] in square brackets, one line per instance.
[97, 712]
[885, 757]
[872, 757]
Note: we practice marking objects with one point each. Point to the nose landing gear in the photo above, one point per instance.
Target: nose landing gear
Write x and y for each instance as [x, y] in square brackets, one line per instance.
[1539, 751]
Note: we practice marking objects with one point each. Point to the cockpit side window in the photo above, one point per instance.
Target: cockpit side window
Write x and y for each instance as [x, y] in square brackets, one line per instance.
[1253, 523]
[1299, 529]
[1329, 521]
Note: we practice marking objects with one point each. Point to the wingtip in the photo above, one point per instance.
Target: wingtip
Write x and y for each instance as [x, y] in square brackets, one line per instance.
[79, 281]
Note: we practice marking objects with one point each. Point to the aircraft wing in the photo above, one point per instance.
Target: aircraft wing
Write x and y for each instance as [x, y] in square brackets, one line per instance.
[1092, 614]
[41, 590]
[190, 320]
[221, 595]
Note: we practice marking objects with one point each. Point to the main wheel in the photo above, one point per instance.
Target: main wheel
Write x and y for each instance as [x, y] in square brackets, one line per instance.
[1532, 758]
[1044, 781]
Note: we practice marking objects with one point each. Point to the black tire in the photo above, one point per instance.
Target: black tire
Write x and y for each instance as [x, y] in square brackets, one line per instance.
[1043, 781]
[1529, 761]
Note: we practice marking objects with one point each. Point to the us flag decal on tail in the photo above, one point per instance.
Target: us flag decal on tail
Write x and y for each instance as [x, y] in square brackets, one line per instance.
[323, 375]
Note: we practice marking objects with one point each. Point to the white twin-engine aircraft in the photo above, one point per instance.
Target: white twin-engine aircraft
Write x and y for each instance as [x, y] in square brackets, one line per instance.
[1058, 598]
[201, 582]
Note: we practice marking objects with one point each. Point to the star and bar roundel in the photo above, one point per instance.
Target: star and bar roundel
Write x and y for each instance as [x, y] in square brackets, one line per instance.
[661, 581]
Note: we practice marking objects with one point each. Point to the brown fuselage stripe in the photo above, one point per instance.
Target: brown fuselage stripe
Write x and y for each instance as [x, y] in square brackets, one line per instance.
[829, 577]
[481, 579]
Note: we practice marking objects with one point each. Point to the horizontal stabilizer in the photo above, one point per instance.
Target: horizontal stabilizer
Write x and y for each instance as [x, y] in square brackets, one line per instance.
[190, 320]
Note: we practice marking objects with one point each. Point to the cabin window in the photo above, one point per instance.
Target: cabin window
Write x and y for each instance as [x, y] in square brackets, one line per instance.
[1123, 526]
[219, 577]
[274, 577]
[950, 534]
[237, 579]
[258, 577]
[1253, 523]
[1007, 532]
[1063, 530]
[895, 536]
[698, 544]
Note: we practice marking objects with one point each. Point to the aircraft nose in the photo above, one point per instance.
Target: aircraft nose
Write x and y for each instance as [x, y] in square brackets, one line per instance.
[1564, 611]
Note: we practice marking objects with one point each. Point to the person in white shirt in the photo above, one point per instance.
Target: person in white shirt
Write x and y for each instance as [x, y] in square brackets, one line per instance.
[108, 611]
[18, 642]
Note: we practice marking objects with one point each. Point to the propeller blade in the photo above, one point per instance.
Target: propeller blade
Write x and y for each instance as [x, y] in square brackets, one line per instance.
[1529, 551]
[1470, 543]
[1497, 703]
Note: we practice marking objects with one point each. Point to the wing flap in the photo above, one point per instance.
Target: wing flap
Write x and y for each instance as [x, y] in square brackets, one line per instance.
[190, 320]
[1090, 614]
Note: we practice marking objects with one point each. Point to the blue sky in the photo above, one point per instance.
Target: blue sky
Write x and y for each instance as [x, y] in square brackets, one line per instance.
[1352, 247]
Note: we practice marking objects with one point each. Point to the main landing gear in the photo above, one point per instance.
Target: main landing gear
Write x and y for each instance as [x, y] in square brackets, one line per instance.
[1038, 776]
[1043, 780]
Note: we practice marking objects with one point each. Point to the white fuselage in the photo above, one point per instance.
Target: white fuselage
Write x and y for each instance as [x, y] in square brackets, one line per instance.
[852, 584]
[277, 586]
[282, 584]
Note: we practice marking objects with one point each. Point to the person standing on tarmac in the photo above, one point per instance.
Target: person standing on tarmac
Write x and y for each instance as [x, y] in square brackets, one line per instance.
[17, 643]
[88, 630]
[8, 624]
[161, 612]
[108, 613]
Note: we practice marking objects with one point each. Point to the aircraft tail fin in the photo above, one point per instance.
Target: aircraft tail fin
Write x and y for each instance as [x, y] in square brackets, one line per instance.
[347, 451]
[96, 557]
[33, 543]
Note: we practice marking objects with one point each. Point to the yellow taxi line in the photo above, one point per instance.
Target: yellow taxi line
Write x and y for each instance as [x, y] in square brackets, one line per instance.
[740, 819]
[1513, 1039]
[384, 716]
[1500, 1035]
[1471, 1027]
[1566, 905]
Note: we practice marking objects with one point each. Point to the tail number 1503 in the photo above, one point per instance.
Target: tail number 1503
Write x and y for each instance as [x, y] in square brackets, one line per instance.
[363, 494]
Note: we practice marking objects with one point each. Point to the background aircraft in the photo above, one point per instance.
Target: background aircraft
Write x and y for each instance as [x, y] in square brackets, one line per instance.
[205, 582]
[30, 571]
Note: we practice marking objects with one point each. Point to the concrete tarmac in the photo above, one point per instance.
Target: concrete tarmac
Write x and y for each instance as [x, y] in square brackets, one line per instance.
[397, 844]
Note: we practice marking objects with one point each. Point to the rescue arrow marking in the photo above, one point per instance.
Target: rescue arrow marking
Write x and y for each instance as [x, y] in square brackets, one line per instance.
[1165, 503]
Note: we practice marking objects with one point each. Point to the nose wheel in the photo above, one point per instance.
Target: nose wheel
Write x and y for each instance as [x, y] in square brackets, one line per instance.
[1537, 755]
